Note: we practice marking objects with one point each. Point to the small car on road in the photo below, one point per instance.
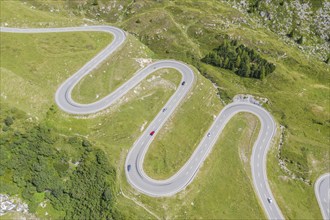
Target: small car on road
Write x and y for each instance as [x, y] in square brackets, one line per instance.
[128, 167]
[184, 82]
[152, 133]
[164, 109]
[269, 200]
[209, 134]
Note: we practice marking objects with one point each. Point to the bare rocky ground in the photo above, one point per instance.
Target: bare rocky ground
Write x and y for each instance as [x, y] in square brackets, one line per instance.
[12, 204]
[250, 98]
[292, 20]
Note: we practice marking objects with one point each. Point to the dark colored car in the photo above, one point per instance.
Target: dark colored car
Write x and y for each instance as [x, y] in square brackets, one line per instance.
[128, 168]
[152, 133]
[164, 109]
[184, 82]
[269, 200]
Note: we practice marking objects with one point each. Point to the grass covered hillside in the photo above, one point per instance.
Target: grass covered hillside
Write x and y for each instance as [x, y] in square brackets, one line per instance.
[34, 65]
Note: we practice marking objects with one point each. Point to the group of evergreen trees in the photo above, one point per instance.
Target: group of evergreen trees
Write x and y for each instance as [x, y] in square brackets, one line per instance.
[76, 179]
[242, 60]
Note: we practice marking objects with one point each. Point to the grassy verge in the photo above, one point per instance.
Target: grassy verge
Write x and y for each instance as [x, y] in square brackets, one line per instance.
[234, 197]
[27, 15]
[115, 70]
[305, 142]
[296, 199]
[210, 196]
[34, 65]
[179, 137]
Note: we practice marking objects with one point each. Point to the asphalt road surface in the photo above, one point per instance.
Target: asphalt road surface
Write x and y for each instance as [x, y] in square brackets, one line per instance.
[134, 161]
[322, 192]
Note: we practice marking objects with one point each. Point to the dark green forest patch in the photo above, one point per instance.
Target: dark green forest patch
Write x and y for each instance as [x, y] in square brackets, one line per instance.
[242, 60]
[35, 165]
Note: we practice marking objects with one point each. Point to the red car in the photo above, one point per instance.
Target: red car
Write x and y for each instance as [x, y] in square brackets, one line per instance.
[152, 133]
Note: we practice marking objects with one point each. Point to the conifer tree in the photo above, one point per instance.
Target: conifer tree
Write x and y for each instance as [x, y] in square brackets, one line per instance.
[262, 73]
[238, 61]
[225, 64]
[247, 70]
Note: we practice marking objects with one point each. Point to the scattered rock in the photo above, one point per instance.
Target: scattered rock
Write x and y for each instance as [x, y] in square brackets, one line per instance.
[12, 204]
[143, 61]
[142, 127]
[250, 98]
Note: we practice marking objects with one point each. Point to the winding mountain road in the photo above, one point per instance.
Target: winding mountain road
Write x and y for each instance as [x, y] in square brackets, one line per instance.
[134, 162]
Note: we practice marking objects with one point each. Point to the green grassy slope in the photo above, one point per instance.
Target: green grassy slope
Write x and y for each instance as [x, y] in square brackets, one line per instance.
[214, 191]
[39, 63]
[118, 68]
[225, 163]
[177, 140]
[114, 133]
[27, 15]
[298, 92]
